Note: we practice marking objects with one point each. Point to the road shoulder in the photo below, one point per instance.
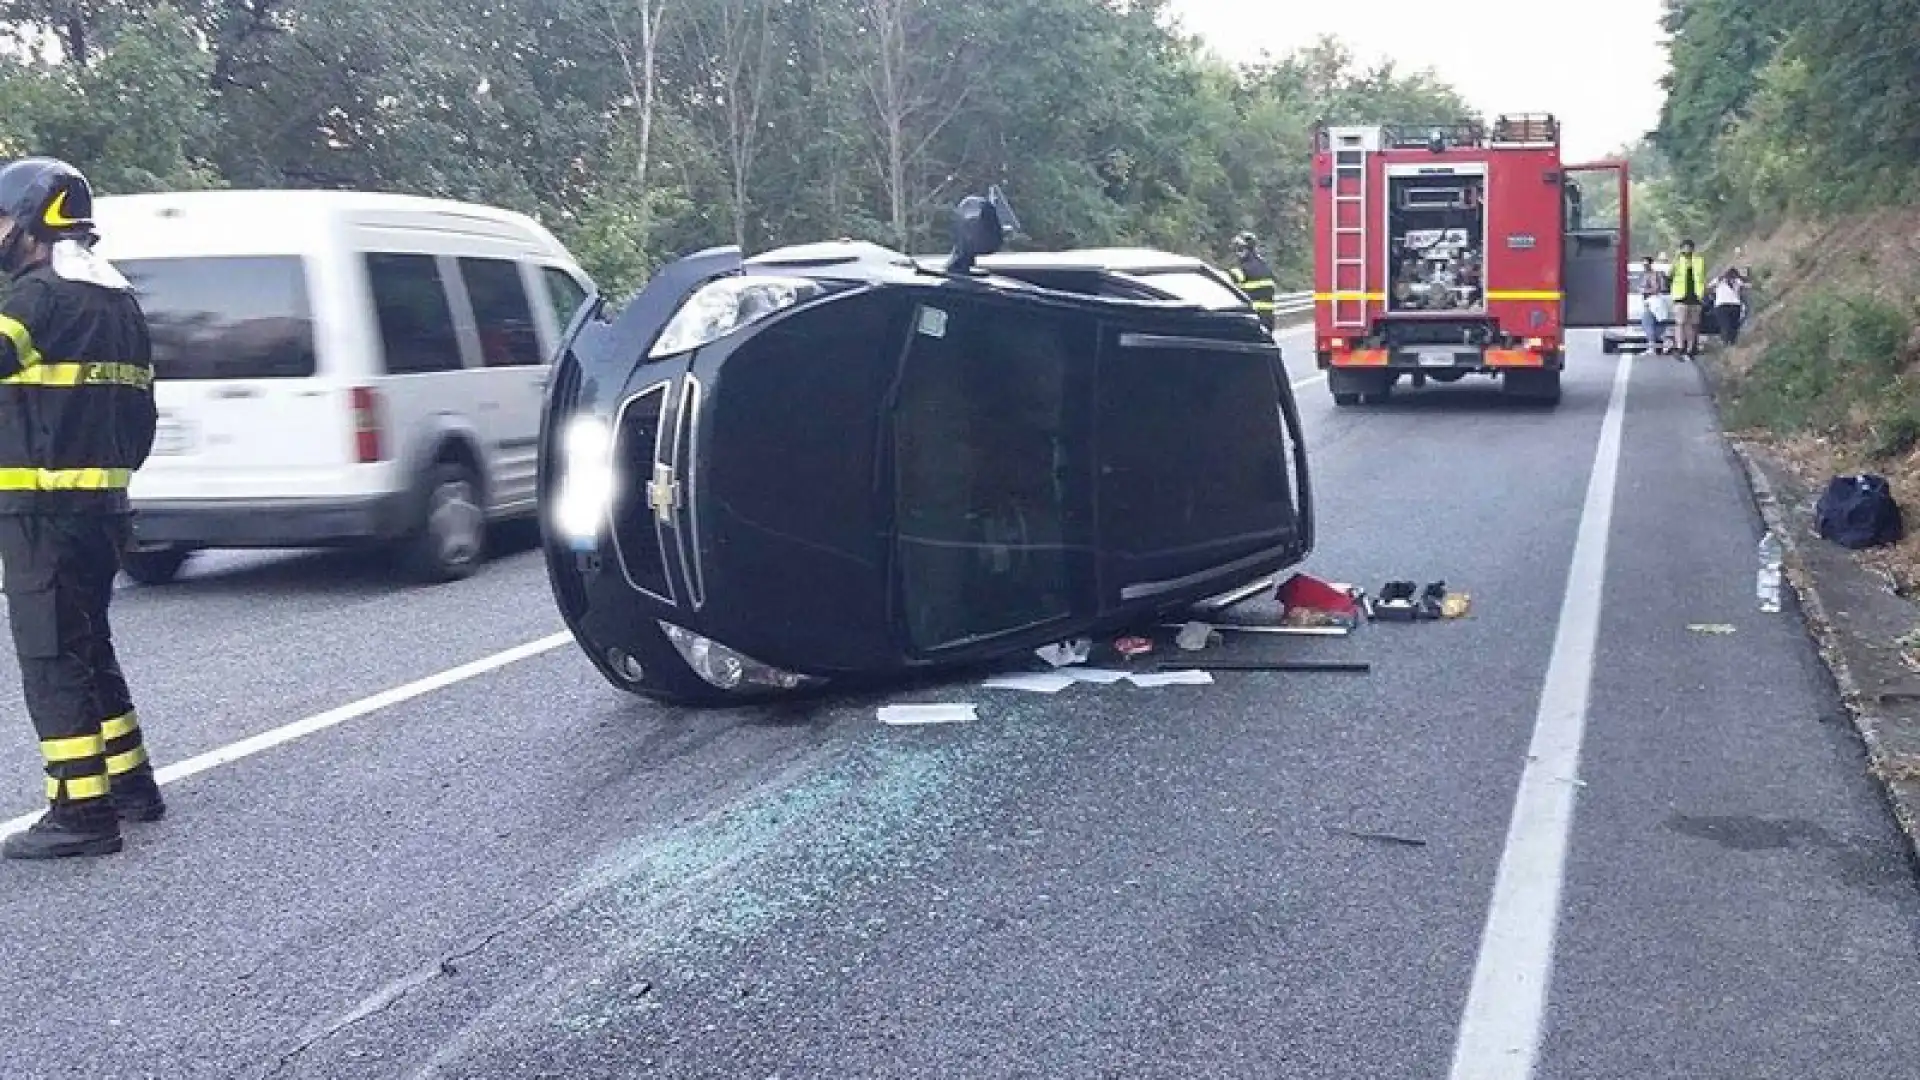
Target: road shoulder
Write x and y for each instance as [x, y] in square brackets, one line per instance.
[1855, 619]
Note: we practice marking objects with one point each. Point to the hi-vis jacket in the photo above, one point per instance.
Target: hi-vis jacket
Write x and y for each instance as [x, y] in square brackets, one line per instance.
[1696, 266]
[1255, 278]
[77, 413]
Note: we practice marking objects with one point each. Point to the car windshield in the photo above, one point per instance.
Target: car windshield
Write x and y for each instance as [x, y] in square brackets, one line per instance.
[1195, 287]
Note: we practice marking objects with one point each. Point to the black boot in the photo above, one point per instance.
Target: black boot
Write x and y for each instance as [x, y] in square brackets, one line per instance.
[66, 830]
[136, 796]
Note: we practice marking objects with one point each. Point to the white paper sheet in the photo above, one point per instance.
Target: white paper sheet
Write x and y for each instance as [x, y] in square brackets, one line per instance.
[1171, 678]
[934, 713]
[1038, 682]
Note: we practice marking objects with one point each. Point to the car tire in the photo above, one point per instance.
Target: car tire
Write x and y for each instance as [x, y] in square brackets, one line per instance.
[155, 566]
[1609, 346]
[451, 539]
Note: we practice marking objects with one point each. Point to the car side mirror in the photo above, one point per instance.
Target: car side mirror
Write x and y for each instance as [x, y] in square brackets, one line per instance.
[980, 227]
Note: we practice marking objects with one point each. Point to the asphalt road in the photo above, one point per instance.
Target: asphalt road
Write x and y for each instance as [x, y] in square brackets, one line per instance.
[518, 872]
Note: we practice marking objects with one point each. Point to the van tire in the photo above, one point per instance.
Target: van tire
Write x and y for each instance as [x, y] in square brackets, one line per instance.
[157, 566]
[451, 539]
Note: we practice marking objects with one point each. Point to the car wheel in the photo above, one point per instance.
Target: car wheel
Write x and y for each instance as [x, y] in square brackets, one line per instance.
[156, 566]
[452, 535]
[1609, 346]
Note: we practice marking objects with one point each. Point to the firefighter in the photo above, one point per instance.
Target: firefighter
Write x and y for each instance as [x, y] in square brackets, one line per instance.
[76, 419]
[1253, 276]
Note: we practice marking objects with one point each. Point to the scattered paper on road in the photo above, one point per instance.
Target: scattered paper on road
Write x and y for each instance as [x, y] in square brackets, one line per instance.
[1710, 628]
[1036, 682]
[1171, 678]
[935, 713]
[1099, 676]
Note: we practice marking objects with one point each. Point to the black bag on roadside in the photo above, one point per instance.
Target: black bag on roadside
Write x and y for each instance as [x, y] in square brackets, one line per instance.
[1858, 512]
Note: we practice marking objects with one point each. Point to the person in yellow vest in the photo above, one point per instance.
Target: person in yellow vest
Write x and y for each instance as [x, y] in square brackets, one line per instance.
[1253, 276]
[1689, 278]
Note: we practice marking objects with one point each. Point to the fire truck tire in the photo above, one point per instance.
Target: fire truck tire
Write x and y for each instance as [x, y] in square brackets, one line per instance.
[1345, 400]
[1536, 387]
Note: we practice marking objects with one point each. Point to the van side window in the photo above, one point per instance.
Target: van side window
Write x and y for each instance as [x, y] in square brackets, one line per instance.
[416, 322]
[567, 294]
[501, 313]
[226, 317]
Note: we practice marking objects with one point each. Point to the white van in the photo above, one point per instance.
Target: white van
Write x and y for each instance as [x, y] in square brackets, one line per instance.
[338, 368]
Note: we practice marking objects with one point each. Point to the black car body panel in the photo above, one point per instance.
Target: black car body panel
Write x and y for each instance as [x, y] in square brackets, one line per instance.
[895, 468]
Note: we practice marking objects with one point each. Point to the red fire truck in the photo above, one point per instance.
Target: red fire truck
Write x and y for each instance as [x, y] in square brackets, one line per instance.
[1454, 250]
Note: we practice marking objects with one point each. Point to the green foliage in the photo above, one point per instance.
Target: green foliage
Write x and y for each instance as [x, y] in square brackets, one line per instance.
[1792, 106]
[1839, 365]
[640, 129]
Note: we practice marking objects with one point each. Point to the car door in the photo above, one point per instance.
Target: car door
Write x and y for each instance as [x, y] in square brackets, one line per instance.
[514, 368]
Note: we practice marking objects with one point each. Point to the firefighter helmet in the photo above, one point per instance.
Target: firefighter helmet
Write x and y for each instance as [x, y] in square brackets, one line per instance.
[46, 198]
[1245, 242]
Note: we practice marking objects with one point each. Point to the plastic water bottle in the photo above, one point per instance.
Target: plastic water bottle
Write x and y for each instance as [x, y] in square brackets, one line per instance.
[1768, 587]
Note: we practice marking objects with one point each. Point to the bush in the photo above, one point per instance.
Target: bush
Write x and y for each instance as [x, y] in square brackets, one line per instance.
[1837, 365]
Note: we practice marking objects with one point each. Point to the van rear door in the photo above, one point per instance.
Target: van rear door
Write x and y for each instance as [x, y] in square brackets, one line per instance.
[244, 411]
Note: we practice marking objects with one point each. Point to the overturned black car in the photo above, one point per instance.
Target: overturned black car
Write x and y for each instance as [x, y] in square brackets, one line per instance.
[831, 463]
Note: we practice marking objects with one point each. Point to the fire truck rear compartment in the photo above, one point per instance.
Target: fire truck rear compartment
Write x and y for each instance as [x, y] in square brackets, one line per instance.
[1436, 229]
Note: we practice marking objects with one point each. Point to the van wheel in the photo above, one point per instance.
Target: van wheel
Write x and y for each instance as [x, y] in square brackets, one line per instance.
[453, 527]
[157, 566]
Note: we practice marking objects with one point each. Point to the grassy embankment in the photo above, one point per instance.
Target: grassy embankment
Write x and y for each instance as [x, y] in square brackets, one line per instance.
[1827, 372]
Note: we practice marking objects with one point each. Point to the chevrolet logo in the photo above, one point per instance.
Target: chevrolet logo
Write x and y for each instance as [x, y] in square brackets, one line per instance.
[663, 494]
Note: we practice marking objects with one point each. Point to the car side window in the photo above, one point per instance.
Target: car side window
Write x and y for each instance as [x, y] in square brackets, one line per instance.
[501, 313]
[566, 292]
[416, 321]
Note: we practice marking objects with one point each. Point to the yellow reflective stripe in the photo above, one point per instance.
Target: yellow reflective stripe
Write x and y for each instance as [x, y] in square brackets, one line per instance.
[16, 332]
[1323, 297]
[79, 787]
[117, 726]
[82, 374]
[1522, 294]
[77, 748]
[127, 762]
[1256, 283]
[63, 479]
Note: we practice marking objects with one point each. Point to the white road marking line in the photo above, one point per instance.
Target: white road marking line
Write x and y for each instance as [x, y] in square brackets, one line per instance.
[1309, 380]
[298, 729]
[1504, 1021]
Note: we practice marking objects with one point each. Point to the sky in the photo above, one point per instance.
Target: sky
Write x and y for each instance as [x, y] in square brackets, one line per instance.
[1597, 66]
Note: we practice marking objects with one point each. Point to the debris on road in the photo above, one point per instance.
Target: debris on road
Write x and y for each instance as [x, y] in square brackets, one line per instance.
[1195, 636]
[1404, 601]
[1355, 667]
[1711, 628]
[1052, 682]
[931, 713]
[1133, 646]
[1385, 838]
[1063, 653]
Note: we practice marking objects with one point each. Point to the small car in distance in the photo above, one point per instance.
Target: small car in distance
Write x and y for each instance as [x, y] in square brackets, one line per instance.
[829, 464]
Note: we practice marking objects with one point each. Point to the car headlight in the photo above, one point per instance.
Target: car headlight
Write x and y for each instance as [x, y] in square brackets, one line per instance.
[727, 304]
[587, 480]
[725, 669]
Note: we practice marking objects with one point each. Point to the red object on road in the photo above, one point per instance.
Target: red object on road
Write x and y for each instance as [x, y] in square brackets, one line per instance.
[1304, 592]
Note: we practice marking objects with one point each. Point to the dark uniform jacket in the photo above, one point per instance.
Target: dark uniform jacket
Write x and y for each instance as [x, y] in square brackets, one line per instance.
[77, 412]
[1255, 278]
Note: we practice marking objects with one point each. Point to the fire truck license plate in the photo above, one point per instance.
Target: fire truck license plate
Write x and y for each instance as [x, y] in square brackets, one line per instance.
[1431, 358]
